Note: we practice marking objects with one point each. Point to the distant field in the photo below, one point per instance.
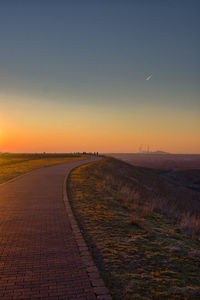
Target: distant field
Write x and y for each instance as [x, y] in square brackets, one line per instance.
[180, 169]
[12, 165]
[161, 161]
[142, 230]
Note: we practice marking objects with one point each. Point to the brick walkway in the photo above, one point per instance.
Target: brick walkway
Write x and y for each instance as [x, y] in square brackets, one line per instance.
[39, 257]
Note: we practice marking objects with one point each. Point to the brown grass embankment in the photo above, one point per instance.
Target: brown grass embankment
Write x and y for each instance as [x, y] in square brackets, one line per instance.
[141, 253]
[142, 191]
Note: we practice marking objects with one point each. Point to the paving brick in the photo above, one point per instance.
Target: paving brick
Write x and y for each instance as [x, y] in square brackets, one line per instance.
[101, 290]
[97, 282]
[92, 269]
[94, 275]
[39, 253]
[104, 297]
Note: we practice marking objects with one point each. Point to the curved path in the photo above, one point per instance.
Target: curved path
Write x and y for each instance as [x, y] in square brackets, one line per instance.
[39, 255]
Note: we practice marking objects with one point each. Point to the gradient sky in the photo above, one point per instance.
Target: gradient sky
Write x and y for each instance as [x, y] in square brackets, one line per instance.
[73, 75]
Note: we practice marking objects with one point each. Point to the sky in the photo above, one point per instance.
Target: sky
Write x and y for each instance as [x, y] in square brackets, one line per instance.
[107, 76]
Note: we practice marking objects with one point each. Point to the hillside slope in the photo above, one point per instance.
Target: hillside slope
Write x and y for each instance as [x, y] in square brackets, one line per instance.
[140, 245]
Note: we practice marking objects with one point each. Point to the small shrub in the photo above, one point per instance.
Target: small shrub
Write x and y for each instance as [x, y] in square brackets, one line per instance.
[135, 219]
[190, 224]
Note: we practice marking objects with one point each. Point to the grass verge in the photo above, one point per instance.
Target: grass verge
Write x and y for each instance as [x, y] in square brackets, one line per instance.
[12, 165]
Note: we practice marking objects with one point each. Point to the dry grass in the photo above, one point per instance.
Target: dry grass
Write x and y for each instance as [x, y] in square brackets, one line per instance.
[142, 191]
[190, 223]
[141, 253]
[12, 165]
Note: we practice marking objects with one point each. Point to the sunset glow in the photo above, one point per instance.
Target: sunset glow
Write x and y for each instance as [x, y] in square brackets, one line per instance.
[88, 86]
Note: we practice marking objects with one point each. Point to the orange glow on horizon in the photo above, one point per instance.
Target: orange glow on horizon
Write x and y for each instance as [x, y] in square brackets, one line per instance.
[71, 129]
[72, 141]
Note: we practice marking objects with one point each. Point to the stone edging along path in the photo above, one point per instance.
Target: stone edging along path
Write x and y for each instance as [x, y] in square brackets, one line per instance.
[95, 279]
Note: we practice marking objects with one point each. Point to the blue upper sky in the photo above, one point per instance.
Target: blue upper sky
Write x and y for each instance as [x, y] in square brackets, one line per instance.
[100, 53]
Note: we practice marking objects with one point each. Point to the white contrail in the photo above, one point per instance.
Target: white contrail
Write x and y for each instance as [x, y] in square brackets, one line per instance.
[149, 77]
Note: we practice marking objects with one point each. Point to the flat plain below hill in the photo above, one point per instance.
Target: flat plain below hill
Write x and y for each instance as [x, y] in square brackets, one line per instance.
[163, 161]
[180, 169]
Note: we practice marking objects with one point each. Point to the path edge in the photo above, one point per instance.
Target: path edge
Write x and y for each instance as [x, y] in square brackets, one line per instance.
[28, 172]
[97, 283]
[18, 177]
